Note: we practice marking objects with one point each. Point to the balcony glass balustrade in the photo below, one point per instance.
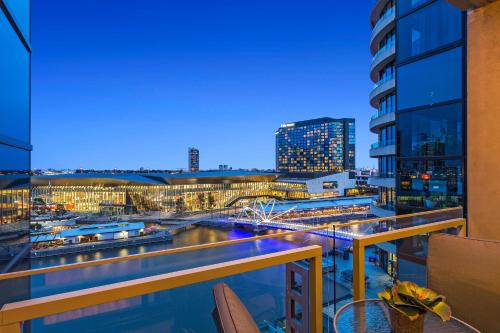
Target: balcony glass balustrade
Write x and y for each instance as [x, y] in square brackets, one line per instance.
[388, 13]
[171, 288]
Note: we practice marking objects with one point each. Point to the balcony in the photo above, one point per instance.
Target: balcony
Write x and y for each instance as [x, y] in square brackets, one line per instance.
[377, 9]
[384, 25]
[380, 120]
[382, 181]
[383, 56]
[148, 286]
[381, 89]
[378, 149]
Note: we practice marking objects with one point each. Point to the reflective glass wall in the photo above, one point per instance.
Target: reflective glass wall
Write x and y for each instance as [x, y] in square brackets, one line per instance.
[430, 106]
[15, 145]
[430, 114]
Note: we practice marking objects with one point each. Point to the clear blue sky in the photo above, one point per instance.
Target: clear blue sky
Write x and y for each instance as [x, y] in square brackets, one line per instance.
[129, 84]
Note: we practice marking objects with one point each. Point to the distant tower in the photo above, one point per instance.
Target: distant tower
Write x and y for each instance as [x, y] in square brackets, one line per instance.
[193, 159]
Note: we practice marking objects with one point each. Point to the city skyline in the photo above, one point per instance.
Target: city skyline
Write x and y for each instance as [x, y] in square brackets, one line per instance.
[164, 78]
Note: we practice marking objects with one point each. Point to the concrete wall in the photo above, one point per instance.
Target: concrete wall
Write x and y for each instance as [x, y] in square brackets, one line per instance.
[315, 186]
[483, 122]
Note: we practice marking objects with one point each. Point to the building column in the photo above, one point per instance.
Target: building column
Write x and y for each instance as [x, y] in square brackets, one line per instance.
[483, 121]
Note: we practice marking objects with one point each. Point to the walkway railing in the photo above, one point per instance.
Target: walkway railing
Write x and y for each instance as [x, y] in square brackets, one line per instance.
[12, 315]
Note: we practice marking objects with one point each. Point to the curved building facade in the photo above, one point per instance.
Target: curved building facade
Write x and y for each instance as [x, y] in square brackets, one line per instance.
[383, 99]
[418, 70]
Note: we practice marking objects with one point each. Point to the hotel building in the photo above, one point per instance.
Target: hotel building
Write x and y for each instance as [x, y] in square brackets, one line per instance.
[418, 67]
[316, 147]
[15, 147]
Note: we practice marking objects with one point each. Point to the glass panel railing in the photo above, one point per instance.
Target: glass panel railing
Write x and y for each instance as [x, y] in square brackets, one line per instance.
[383, 80]
[278, 290]
[382, 144]
[382, 49]
[382, 112]
[385, 259]
[333, 233]
[388, 13]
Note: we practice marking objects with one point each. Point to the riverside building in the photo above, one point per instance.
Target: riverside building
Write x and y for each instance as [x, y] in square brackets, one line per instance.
[316, 147]
[182, 192]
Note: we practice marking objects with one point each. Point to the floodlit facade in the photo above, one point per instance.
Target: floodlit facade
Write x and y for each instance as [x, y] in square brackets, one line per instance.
[316, 147]
[185, 192]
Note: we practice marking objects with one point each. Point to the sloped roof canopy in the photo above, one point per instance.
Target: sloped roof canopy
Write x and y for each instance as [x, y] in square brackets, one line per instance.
[151, 179]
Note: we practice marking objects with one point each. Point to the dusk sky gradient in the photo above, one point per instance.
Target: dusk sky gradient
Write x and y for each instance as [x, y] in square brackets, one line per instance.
[129, 84]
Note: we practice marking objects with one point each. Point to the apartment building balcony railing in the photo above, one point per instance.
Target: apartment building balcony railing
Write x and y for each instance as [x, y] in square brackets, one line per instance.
[384, 25]
[388, 13]
[343, 273]
[379, 144]
[382, 88]
[383, 148]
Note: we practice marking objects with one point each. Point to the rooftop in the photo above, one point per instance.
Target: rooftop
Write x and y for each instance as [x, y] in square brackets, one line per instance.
[185, 178]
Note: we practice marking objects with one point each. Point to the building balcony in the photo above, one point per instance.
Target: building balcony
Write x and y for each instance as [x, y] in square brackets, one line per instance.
[381, 120]
[382, 181]
[381, 59]
[384, 25]
[149, 298]
[381, 89]
[378, 149]
[377, 8]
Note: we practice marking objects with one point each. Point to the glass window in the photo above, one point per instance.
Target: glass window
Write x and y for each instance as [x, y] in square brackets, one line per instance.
[387, 166]
[404, 6]
[14, 159]
[387, 136]
[20, 10]
[387, 104]
[430, 184]
[14, 84]
[431, 80]
[431, 27]
[386, 73]
[431, 132]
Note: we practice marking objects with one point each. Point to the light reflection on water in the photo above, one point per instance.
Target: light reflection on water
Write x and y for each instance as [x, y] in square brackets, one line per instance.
[186, 309]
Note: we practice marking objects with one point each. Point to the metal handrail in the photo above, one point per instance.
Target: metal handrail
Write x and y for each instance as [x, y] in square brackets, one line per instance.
[13, 314]
[360, 243]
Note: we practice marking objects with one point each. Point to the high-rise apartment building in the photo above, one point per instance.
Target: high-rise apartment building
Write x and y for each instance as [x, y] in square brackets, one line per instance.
[419, 73]
[316, 147]
[15, 146]
[193, 160]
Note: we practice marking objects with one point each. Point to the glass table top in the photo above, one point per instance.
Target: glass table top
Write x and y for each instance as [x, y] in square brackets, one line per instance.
[373, 316]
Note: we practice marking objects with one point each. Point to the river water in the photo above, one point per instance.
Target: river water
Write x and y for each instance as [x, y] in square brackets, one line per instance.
[185, 309]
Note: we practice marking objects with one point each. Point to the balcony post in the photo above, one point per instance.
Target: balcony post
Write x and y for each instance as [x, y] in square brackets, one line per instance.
[316, 293]
[11, 328]
[358, 264]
